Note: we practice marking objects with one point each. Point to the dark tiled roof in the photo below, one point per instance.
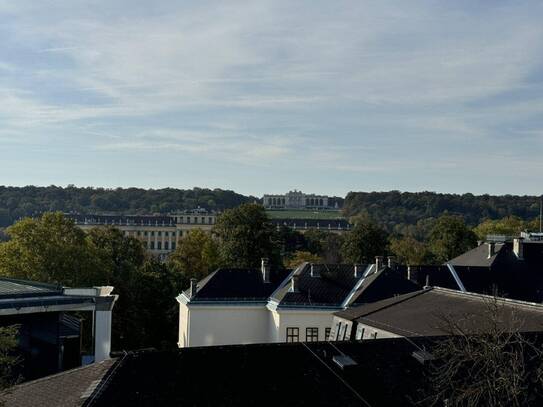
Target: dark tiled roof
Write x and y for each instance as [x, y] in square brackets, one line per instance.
[385, 283]
[265, 375]
[231, 284]
[330, 288]
[67, 389]
[423, 313]
[145, 220]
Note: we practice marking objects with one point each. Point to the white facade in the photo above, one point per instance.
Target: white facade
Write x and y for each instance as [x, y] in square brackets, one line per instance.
[296, 200]
[227, 324]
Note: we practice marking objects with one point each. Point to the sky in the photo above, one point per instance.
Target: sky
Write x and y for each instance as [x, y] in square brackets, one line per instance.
[267, 96]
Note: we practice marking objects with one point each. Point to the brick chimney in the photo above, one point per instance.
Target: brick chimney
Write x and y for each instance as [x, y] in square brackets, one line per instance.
[391, 261]
[518, 248]
[315, 272]
[265, 268]
[193, 287]
[358, 270]
[378, 262]
[491, 249]
[294, 283]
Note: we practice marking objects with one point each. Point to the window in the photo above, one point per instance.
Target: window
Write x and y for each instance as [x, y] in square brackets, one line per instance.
[159, 233]
[166, 234]
[173, 245]
[293, 334]
[159, 245]
[203, 220]
[152, 245]
[165, 245]
[210, 220]
[145, 233]
[326, 334]
[311, 334]
[152, 232]
[188, 219]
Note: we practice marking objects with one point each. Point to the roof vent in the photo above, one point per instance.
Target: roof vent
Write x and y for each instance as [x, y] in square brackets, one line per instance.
[422, 356]
[358, 270]
[344, 361]
[378, 262]
[518, 248]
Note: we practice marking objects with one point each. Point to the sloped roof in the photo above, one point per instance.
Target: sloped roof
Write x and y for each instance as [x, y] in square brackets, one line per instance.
[13, 288]
[330, 288]
[384, 283]
[67, 389]
[423, 313]
[237, 284]
[478, 257]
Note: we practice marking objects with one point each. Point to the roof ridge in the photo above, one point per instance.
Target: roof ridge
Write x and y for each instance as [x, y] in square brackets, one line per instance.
[398, 300]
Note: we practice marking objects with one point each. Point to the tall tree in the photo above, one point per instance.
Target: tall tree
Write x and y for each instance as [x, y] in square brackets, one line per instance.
[49, 249]
[246, 235]
[8, 358]
[450, 237]
[409, 250]
[365, 241]
[196, 255]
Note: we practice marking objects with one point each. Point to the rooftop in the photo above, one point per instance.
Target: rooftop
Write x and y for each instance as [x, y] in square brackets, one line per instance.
[425, 313]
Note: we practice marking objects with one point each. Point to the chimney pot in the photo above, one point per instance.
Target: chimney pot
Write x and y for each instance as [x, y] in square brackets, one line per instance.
[265, 268]
[378, 262]
[193, 287]
[409, 272]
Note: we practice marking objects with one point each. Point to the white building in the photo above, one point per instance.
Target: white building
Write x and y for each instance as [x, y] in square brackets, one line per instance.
[296, 200]
[429, 313]
[239, 306]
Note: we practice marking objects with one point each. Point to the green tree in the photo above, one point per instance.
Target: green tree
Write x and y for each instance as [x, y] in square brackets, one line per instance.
[196, 255]
[409, 250]
[48, 249]
[300, 257]
[326, 245]
[509, 226]
[450, 237]
[365, 241]
[8, 358]
[246, 235]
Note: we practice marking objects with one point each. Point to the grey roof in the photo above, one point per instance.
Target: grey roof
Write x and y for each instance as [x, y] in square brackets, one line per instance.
[12, 288]
[67, 389]
[423, 313]
[329, 289]
[478, 257]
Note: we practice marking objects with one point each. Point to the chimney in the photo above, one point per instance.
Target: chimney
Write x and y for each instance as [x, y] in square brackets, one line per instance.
[491, 249]
[193, 287]
[265, 270]
[358, 270]
[294, 283]
[409, 272]
[518, 248]
[378, 262]
[314, 270]
[427, 280]
[479, 242]
[391, 260]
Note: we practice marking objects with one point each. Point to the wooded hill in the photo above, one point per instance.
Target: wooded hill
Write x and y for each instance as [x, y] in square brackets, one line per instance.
[17, 202]
[394, 208]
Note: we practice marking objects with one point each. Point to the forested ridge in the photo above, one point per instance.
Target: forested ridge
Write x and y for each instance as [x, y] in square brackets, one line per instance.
[394, 208]
[18, 202]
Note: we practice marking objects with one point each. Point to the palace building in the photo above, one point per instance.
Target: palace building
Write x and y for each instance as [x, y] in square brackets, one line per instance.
[297, 200]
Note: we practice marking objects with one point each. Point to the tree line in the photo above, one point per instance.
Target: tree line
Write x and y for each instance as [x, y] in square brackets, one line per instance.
[398, 211]
[20, 202]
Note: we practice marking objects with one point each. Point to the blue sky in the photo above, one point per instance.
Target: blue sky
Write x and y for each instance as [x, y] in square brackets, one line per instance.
[267, 96]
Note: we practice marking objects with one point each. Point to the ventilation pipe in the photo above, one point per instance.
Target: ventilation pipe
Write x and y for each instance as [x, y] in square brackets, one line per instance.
[378, 262]
[265, 268]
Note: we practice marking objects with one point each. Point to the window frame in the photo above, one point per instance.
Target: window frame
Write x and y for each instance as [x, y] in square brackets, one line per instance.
[312, 334]
[292, 334]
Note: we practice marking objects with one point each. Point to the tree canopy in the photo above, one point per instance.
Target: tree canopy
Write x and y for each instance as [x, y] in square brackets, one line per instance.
[450, 237]
[365, 241]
